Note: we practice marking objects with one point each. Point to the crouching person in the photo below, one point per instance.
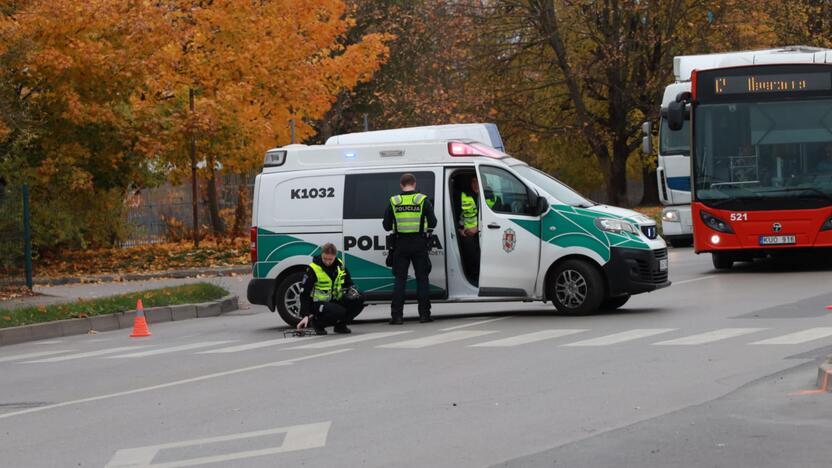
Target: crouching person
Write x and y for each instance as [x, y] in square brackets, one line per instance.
[328, 297]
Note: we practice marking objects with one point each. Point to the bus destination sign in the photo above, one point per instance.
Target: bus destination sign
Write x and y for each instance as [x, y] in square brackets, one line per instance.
[782, 83]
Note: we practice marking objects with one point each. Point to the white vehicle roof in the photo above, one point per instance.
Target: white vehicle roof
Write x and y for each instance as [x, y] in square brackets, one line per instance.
[329, 156]
[673, 90]
[483, 132]
[684, 64]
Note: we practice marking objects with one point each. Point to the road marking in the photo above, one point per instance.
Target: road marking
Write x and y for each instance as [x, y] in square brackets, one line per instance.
[100, 352]
[527, 338]
[676, 283]
[473, 324]
[798, 337]
[48, 342]
[440, 338]
[616, 338]
[321, 344]
[173, 349]
[259, 344]
[710, 337]
[34, 355]
[301, 437]
[286, 362]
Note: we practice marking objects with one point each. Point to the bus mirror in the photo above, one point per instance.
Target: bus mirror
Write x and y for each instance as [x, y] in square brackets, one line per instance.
[647, 139]
[676, 115]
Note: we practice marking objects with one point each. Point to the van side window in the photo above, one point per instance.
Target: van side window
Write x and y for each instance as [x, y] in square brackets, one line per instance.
[511, 196]
[366, 196]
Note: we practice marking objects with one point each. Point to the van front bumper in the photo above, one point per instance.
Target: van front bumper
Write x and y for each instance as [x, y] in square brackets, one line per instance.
[261, 292]
[635, 271]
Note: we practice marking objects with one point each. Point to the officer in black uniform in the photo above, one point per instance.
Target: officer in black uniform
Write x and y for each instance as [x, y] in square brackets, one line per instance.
[328, 296]
[410, 216]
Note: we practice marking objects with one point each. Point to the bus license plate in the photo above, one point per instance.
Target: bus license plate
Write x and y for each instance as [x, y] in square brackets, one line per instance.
[777, 240]
[663, 264]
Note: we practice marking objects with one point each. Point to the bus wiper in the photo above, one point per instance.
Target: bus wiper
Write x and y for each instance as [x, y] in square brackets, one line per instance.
[814, 190]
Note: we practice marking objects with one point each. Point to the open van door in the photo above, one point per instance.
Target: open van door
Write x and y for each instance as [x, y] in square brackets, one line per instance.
[509, 234]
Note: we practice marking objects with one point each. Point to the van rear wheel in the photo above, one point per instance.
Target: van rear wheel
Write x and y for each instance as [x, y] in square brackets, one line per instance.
[576, 288]
[287, 298]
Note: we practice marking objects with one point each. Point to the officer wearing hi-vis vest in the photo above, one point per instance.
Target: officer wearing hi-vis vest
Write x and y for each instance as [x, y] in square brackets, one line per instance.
[469, 227]
[410, 216]
[328, 297]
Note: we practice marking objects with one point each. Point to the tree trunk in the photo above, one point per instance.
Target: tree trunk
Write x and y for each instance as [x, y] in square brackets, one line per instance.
[217, 225]
[651, 187]
[617, 177]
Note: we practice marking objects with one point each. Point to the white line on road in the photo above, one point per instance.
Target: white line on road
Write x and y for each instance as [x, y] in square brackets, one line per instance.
[440, 338]
[100, 352]
[527, 338]
[616, 338]
[173, 349]
[17, 357]
[710, 337]
[321, 344]
[798, 337]
[301, 437]
[286, 362]
[258, 345]
[474, 324]
[676, 283]
[48, 342]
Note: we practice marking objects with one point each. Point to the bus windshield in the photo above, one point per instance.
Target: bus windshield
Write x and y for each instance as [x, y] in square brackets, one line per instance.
[671, 142]
[553, 187]
[764, 155]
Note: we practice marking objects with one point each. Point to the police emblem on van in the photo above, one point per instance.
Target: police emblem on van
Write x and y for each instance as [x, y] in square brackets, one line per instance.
[509, 240]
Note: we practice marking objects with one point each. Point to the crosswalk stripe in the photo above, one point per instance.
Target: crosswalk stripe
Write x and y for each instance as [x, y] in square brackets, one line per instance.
[710, 337]
[259, 344]
[527, 338]
[100, 352]
[616, 338]
[440, 338]
[172, 349]
[331, 343]
[18, 357]
[473, 324]
[798, 337]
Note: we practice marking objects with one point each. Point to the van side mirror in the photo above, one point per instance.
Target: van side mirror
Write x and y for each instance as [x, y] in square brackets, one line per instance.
[647, 139]
[542, 206]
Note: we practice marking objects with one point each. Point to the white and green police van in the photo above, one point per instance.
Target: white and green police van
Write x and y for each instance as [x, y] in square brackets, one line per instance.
[541, 242]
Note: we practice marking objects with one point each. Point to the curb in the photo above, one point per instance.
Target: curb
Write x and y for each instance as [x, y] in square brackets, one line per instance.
[119, 320]
[186, 273]
[825, 375]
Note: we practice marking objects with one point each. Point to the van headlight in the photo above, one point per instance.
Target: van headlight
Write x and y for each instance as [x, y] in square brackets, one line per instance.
[671, 216]
[615, 225]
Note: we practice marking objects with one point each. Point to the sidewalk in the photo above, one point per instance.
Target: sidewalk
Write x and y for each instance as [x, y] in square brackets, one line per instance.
[109, 285]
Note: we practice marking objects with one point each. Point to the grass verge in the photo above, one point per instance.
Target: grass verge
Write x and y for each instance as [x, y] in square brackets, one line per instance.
[185, 294]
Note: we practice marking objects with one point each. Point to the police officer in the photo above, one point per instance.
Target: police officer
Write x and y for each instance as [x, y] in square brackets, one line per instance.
[410, 216]
[469, 227]
[328, 297]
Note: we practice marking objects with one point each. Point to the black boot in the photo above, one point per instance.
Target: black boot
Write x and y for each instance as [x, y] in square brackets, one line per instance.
[341, 328]
[313, 324]
[397, 321]
[425, 318]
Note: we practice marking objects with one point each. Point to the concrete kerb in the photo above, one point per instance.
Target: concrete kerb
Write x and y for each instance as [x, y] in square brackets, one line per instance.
[119, 320]
[109, 278]
[825, 375]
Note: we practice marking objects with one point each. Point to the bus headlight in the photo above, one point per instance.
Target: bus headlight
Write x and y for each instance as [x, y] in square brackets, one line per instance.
[715, 223]
[615, 225]
[671, 216]
[827, 226]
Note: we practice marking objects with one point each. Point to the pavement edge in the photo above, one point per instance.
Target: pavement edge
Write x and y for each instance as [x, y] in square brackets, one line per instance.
[119, 320]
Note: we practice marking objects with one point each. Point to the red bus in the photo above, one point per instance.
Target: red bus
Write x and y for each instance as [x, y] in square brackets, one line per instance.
[761, 158]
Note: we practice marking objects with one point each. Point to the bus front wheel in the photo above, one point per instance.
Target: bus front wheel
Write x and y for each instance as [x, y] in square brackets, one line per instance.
[722, 261]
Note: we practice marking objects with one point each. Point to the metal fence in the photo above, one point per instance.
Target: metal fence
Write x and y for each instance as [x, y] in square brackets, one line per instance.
[15, 236]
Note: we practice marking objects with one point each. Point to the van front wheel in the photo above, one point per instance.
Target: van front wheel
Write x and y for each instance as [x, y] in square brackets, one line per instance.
[287, 298]
[576, 288]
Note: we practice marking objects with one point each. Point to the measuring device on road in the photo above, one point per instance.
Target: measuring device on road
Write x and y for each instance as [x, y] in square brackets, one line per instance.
[294, 333]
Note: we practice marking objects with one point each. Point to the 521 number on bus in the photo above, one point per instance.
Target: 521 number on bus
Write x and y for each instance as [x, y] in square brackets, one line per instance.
[739, 216]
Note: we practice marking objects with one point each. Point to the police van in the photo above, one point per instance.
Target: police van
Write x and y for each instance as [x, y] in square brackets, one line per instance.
[541, 242]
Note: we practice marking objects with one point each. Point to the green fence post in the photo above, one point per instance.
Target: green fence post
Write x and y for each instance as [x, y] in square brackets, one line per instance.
[27, 236]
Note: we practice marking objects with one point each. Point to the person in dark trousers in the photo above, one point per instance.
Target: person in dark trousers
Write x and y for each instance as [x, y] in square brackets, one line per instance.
[410, 216]
[469, 227]
[328, 297]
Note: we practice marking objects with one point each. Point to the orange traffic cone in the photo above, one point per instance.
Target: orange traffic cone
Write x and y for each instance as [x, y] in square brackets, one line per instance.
[140, 323]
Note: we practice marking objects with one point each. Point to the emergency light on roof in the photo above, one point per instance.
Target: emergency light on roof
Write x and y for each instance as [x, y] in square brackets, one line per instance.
[274, 158]
[458, 148]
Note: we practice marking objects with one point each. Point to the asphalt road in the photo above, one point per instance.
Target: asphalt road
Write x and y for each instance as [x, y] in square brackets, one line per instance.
[715, 371]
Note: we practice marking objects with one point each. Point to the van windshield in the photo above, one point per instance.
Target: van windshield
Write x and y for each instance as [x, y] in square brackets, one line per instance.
[553, 187]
